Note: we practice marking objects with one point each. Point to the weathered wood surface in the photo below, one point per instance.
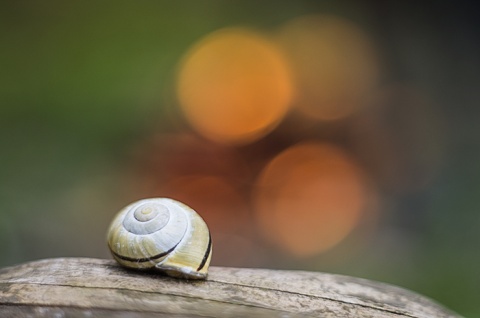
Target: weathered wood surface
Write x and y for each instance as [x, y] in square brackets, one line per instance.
[84, 287]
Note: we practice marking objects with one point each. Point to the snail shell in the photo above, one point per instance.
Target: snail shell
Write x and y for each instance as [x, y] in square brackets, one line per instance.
[163, 234]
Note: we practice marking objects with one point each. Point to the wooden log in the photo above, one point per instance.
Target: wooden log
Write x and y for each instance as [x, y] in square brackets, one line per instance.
[85, 287]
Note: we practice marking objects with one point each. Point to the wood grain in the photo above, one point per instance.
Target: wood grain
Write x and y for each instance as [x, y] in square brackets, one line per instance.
[85, 287]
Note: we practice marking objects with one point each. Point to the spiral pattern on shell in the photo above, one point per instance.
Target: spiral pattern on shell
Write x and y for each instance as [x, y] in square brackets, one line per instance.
[163, 234]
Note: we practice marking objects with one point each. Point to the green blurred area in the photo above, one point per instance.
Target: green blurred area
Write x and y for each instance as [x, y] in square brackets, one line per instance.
[83, 83]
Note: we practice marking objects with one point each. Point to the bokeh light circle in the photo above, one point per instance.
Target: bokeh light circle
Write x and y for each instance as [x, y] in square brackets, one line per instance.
[334, 65]
[234, 86]
[309, 198]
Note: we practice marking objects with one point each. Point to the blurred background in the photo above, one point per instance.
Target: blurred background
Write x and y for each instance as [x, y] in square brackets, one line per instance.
[314, 135]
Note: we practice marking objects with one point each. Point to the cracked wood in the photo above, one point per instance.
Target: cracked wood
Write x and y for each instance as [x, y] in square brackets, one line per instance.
[85, 287]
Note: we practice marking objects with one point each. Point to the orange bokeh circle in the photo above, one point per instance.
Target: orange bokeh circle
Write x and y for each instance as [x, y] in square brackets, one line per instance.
[234, 86]
[334, 65]
[309, 198]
